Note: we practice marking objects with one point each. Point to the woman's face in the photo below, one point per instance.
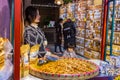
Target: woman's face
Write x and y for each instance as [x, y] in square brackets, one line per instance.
[37, 19]
[70, 49]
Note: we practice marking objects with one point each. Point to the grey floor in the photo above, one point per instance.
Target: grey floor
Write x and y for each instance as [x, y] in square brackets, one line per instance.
[51, 47]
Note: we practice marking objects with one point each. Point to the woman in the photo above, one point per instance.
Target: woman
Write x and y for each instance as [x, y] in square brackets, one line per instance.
[33, 34]
[58, 27]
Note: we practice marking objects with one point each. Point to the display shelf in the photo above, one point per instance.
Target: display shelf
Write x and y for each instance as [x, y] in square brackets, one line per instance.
[113, 55]
[116, 51]
[81, 13]
[96, 29]
[113, 34]
[80, 45]
[83, 56]
[117, 5]
[82, 21]
[86, 57]
[79, 37]
[79, 27]
[116, 19]
[92, 49]
[92, 54]
[88, 19]
[115, 31]
[94, 15]
[113, 44]
[94, 39]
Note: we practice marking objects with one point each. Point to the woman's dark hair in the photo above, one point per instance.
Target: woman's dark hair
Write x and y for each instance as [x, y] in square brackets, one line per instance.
[60, 20]
[30, 13]
[70, 45]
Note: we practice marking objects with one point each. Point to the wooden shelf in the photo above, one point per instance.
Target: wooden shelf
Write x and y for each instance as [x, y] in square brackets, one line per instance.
[82, 46]
[86, 57]
[82, 21]
[91, 49]
[112, 55]
[116, 44]
[93, 29]
[79, 37]
[93, 39]
[113, 44]
[115, 31]
[117, 5]
[82, 56]
[81, 27]
[117, 19]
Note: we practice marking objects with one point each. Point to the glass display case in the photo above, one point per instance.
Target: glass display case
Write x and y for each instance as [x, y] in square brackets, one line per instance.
[89, 28]
[88, 17]
[113, 29]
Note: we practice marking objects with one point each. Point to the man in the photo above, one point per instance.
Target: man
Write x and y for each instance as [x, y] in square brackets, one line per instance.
[69, 33]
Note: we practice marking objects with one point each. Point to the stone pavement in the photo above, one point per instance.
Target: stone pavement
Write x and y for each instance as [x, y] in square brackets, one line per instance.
[51, 48]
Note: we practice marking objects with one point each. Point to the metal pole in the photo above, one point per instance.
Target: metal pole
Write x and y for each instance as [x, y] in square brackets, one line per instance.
[17, 39]
[12, 31]
[104, 29]
[112, 30]
[107, 31]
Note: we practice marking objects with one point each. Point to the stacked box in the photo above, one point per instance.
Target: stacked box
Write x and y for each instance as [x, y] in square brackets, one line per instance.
[97, 2]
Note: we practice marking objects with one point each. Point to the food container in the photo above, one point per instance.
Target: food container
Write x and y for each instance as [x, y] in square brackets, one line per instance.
[67, 76]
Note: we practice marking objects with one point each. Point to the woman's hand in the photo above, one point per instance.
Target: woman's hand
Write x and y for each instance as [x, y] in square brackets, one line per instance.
[45, 43]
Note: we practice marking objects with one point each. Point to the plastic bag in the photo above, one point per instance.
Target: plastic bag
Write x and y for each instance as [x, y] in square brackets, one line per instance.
[8, 46]
[6, 72]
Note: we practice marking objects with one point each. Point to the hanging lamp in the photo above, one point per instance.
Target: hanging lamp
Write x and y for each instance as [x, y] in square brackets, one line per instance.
[59, 2]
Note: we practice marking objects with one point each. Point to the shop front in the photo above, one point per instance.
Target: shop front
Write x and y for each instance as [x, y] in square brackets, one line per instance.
[21, 61]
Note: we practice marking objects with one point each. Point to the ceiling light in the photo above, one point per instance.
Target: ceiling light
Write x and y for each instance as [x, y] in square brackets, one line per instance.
[59, 2]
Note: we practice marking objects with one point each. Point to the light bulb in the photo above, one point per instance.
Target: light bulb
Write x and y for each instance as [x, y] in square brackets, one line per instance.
[58, 2]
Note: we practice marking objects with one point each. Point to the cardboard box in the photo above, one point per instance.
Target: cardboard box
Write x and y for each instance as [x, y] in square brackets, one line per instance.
[97, 2]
